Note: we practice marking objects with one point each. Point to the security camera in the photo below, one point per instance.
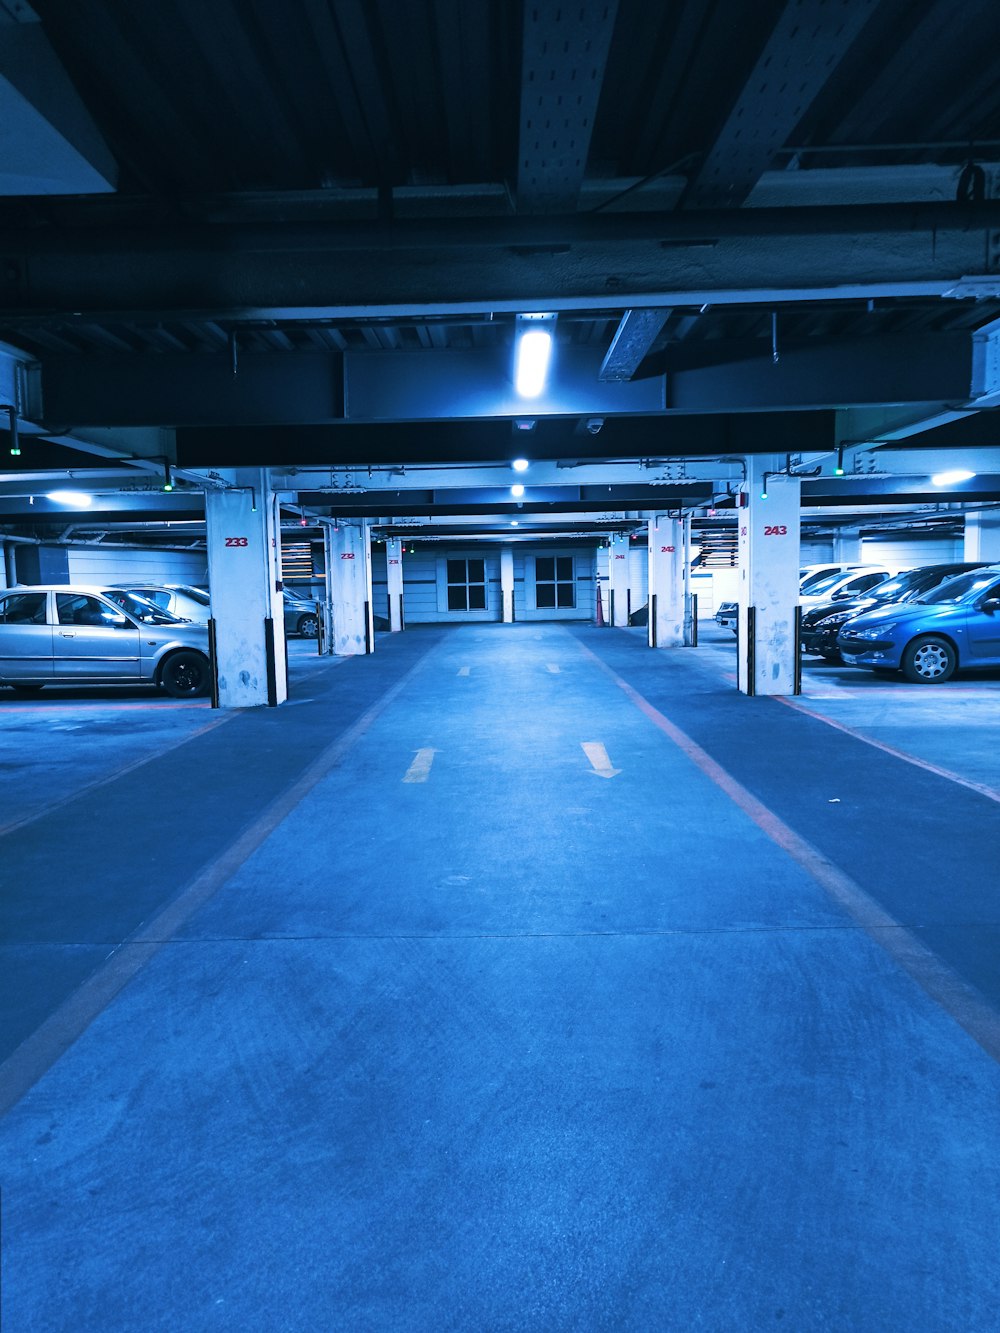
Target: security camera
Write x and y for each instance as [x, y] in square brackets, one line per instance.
[595, 425]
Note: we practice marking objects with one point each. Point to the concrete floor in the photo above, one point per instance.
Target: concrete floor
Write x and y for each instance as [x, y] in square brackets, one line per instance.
[515, 978]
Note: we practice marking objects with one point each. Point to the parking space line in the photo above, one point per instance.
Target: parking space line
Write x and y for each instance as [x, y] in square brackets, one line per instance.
[420, 769]
[37, 1053]
[990, 793]
[964, 1004]
[43, 811]
[465, 671]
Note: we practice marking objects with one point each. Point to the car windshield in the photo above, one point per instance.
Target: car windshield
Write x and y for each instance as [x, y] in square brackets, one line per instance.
[195, 594]
[961, 588]
[141, 607]
[816, 586]
[891, 589]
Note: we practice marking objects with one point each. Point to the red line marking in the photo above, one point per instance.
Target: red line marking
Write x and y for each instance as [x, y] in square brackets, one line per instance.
[990, 793]
[962, 1002]
[37, 1053]
[42, 811]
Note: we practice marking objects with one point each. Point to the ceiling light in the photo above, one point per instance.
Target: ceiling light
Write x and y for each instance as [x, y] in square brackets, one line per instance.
[517, 491]
[520, 465]
[78, 499]
[534, 347]
[514, 523]
[951, 478]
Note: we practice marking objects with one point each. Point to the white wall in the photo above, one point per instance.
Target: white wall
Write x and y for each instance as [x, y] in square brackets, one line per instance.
[121, 564]
[910, 553]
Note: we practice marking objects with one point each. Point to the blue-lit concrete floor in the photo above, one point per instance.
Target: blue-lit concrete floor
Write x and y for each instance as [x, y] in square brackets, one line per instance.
[513, 978]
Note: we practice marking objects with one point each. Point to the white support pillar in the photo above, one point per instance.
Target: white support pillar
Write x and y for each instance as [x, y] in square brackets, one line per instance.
[847, 546]
[394, 582]
[351, 626]
[666, 583]
[618, 563]
[769, 580]
[982, 536]
[242, 535]
[507, 584]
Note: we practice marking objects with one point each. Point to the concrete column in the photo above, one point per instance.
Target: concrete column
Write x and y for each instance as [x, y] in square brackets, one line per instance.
[507, 583]
[243, 532]
[350, 575]
[618, 563]
[847, 546]
[769, 580]
[982, 536]
[666, 583]
[394, 581]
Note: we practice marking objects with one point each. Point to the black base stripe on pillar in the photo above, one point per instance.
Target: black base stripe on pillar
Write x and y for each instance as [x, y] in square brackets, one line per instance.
[652, 620]
[271, 663]
[611, 608]
[213, 660]
[751, 649]
[694, 620]
[797, 650]
[368, 627]
[402, 616]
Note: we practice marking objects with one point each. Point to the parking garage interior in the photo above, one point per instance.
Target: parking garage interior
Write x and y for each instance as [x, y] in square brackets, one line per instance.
[495, 935]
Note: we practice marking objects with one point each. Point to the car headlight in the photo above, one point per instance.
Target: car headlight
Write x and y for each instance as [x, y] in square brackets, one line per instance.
[873, 631]
[837, 619]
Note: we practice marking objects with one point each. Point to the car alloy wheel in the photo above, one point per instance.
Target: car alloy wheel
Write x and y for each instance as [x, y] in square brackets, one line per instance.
[929, 661]
[309, 626]
[185, 674]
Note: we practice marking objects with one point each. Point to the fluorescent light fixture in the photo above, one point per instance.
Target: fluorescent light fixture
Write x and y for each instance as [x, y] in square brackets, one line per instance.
[534, 347]
[78, 499]
[517, 491]
[514, 523]
[520, 465]
[951, 478]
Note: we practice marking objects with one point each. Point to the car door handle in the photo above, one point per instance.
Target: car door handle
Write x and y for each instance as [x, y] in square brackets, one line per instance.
[68, 633]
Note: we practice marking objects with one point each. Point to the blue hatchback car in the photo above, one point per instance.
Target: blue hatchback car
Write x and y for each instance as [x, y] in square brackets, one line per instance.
[956, 625]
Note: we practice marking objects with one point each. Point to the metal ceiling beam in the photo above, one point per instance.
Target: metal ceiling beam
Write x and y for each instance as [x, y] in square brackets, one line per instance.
[432, 385]
[563, 54]
[657, 437]
[594, 262]
[637, 331]
[50, 143]
[805, 47]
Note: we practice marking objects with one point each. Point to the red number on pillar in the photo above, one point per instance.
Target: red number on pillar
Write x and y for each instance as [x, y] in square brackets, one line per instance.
[668, 549]
[347, 555]
[775, 530]
[237, 541]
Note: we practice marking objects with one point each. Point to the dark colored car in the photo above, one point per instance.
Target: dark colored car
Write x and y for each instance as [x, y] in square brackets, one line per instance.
[955, 625]
[822, 624]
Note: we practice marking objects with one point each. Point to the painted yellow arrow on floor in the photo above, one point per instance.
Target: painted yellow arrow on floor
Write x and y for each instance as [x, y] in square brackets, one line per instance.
[419, 770]
[599, 760]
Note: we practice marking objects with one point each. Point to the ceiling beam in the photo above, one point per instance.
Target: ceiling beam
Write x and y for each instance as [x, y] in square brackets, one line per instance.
[637, 331]
[591, 261]
[563, 54]
[466, 385]
[805, 47]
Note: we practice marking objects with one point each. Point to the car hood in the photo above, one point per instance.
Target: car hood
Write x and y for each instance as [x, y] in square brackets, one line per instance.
[904, 612]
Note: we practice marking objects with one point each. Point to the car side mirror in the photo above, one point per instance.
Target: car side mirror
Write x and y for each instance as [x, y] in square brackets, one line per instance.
[118, 622]
[991, 605]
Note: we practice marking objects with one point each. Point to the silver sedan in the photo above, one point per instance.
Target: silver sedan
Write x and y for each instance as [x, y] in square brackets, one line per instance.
[60, 635]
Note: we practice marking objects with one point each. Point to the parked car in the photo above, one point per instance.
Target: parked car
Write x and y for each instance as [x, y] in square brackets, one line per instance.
[955, 625]
[300, 616]
[190, 602]
[810, 574]
[822, 624]
[843, 585]
[829, 580]
[184, 600]
[66, 635]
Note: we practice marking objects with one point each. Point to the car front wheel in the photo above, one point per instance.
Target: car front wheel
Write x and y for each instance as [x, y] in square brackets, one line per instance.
[185, 675]
[308, 625]
[929, 661]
